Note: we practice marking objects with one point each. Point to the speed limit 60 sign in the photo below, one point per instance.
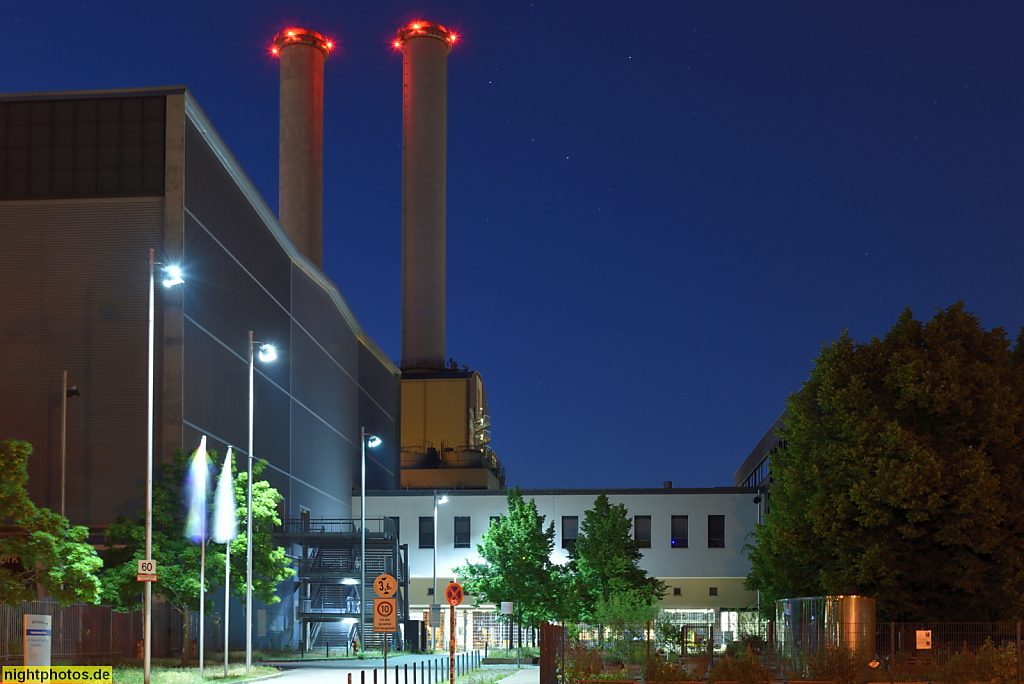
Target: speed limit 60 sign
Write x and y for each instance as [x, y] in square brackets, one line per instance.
[147, 571]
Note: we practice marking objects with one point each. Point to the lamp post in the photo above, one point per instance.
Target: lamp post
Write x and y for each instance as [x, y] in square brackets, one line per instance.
[66, 393]
[266, 353]
[365, 440]
[433, 594]
[172, 276]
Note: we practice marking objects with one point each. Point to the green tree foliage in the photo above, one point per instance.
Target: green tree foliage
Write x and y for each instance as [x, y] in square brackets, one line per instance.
[608, 583]
[45, 550]
[900, 475]
[178, 559]
[516, 553]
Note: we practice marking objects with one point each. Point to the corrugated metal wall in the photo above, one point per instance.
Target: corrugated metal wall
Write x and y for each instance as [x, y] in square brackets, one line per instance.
[73, 272]
[74, 277]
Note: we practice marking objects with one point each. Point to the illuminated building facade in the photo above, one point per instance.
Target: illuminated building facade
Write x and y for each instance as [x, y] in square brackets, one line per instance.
[89, 183]
[690, 539]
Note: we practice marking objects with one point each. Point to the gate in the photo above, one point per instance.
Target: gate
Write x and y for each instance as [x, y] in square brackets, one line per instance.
[552, 652]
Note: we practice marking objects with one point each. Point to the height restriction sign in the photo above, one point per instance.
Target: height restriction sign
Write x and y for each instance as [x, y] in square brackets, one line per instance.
[453, 594]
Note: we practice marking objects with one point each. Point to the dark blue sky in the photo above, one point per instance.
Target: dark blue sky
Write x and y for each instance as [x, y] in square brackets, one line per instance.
[657, 211]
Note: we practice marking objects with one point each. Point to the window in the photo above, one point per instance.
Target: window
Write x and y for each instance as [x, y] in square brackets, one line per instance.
[426, 532]
[495, 518]
[462, 531]
[680, 531]
[570, 530]
[642, 531]
[677, 591]
[712, 591]
[394, 527]
[716, 531]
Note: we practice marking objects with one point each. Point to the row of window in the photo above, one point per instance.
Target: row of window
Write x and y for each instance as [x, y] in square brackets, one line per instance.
[679, 532]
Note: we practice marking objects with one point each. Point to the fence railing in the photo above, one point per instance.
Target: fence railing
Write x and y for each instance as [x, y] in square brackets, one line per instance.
[81, 633]
[950, 653]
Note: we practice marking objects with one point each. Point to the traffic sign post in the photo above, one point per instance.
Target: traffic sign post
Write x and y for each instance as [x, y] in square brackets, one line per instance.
[385, 611]
[453, 594]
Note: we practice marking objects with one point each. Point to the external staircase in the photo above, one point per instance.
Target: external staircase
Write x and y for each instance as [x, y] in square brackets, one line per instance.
[332, 585]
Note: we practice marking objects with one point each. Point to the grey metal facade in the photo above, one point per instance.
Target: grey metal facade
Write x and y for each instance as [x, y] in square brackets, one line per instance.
[89, 182]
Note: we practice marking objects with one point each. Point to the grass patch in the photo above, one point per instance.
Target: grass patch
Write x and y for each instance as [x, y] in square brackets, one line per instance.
[165, 674]
[488, 675]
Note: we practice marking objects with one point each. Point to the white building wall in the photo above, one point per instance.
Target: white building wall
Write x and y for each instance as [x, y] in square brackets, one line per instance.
[705, 577]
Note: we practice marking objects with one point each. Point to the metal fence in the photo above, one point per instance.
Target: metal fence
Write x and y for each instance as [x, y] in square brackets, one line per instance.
[84, 633]
[950, 653]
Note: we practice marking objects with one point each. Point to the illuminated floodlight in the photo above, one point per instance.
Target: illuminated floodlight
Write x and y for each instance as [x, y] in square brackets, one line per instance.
[442, 500]
[373, 441]
[172, 276]
[267, 352]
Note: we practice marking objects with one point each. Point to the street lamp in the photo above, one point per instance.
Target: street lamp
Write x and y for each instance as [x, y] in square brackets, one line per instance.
[172, 276]
[433, 598]
[66, 393]
[266, 353]
[365, 440]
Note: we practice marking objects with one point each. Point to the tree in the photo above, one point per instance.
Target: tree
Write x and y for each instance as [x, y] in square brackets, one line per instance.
[178, 559]
[900, 475]
[45, 550]
[608, 583]
[516, 553]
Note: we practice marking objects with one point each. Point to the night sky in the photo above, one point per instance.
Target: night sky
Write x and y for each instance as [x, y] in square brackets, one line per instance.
[657, 211]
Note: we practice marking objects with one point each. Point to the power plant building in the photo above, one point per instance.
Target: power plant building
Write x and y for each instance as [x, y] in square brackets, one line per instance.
[90, 183]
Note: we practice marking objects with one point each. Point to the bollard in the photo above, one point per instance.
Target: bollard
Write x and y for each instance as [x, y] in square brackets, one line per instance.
[328, 642]
[374, 675]
[349, 678]
[362, 677]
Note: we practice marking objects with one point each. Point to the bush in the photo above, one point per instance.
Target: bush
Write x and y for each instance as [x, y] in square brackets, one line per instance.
[989, 663]
[659, 670]
[581, 663]
[840, 664]
[745, 669]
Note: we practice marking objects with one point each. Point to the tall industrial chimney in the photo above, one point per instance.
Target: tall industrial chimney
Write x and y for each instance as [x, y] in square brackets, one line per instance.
[301, 185]
[425, 46]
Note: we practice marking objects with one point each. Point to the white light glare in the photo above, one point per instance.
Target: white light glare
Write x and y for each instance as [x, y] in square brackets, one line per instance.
[442, 500]
[267, 352]
[172, 276]
[373, 441]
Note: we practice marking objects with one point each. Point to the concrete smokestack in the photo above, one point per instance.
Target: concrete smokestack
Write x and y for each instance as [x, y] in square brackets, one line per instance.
[425, 47]
[301, 184]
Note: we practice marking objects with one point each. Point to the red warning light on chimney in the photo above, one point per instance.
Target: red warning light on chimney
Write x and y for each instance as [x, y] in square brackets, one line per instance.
[424, 28]
[292, 36]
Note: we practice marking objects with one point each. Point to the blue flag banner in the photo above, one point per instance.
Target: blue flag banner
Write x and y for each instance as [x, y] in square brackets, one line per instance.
[197, 482]
[225, 518]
